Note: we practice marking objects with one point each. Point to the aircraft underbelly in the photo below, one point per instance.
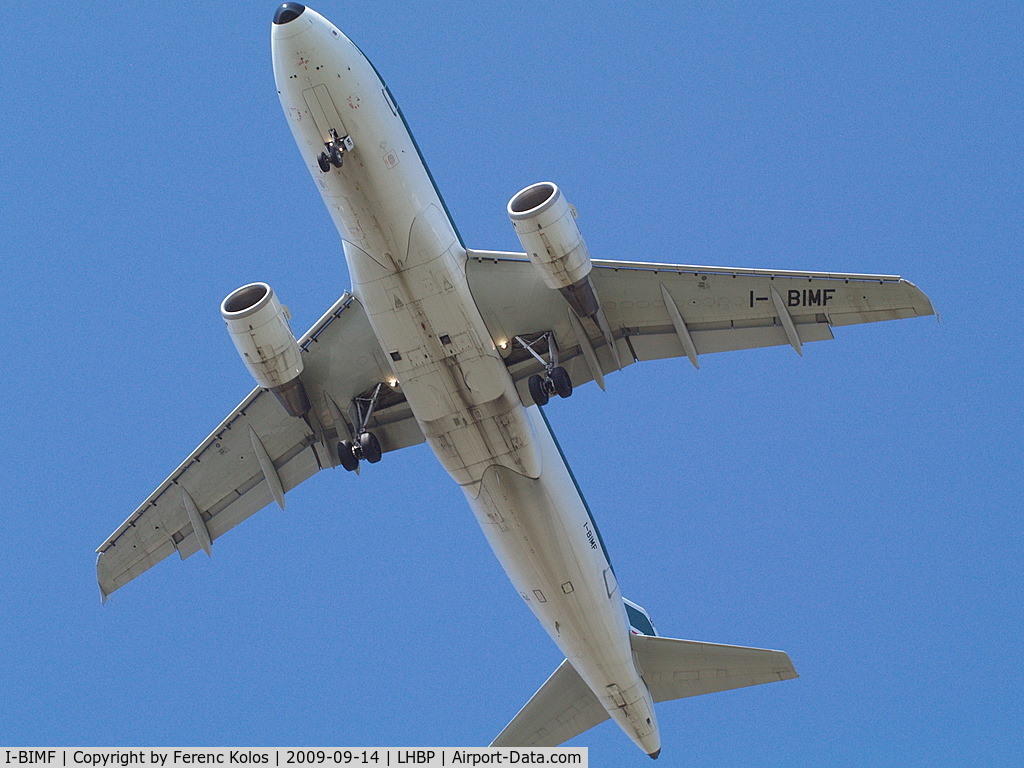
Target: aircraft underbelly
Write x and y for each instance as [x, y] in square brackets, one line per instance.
[407, 266]
[546, 541]
[408, 271]
[447, 366]
[504, 457]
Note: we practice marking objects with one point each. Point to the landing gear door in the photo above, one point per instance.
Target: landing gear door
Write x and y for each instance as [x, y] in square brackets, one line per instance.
[325, 114]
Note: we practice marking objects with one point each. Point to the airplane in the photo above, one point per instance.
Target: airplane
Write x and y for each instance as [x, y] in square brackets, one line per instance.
[462, 348]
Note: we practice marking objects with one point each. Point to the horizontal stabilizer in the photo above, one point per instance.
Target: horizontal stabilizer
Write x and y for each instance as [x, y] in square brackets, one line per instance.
[565, 707]
[562, 708]
[676, 669]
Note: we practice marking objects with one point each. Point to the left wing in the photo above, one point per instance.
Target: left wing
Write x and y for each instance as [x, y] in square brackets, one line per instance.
[673, 310]
[259, 452]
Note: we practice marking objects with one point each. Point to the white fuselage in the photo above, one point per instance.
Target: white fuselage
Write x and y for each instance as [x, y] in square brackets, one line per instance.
[407, 265]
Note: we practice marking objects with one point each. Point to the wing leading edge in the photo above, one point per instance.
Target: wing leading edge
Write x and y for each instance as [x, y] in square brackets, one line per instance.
[259, 452]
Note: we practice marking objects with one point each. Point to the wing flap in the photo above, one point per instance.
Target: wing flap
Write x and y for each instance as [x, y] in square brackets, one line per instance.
[115, 576]
[872, 316]
[656, 346]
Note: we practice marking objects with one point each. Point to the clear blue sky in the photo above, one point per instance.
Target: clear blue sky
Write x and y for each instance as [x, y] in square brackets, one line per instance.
[859, 508]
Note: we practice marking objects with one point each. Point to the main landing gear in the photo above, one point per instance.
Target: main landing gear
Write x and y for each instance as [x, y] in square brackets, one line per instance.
[337, 148]
[365, 446]
[351, 451]
[555, 380]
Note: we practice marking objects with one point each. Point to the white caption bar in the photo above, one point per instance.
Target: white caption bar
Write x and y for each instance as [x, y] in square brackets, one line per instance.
[294, 757]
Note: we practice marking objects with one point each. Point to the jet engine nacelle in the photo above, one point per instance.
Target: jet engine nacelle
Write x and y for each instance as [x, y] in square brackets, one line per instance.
[546, 226]
[259, 328]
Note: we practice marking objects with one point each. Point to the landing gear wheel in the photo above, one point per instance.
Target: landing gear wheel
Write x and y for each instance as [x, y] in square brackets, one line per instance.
[561, 381]
[370, 447]
[538, 391]
[337, 157]
[324, 162]
[347, 456]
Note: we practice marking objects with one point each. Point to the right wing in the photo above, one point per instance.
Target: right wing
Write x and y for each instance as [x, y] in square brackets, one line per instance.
[259, 452]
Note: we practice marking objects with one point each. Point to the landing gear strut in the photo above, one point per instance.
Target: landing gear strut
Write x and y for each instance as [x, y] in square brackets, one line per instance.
[555, 380]
[365, 446]
[337, 148]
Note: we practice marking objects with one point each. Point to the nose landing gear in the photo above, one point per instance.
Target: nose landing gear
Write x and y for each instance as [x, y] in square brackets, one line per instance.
[337, 148]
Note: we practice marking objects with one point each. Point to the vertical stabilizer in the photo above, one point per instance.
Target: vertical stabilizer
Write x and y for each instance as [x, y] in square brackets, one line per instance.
[639, 619]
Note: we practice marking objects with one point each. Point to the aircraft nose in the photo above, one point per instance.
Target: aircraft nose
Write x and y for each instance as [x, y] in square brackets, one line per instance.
[288, 12]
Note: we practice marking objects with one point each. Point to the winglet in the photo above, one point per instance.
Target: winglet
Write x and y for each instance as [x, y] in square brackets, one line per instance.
[99, 581]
